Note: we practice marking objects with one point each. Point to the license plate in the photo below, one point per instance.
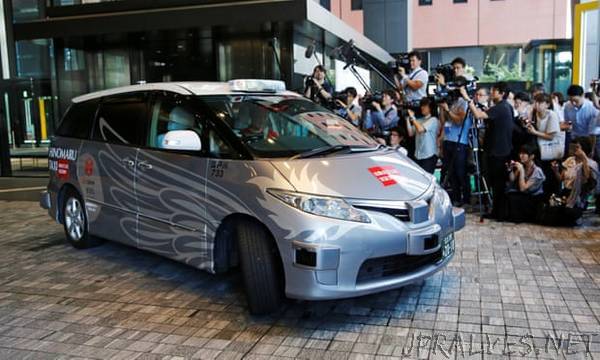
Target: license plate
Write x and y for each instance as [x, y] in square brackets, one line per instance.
[448, 245]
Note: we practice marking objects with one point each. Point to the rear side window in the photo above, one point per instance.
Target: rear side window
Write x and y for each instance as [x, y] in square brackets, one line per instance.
[78, 120]
[122, 120]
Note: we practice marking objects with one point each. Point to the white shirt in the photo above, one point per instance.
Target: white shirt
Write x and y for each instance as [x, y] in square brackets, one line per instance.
[421, 92]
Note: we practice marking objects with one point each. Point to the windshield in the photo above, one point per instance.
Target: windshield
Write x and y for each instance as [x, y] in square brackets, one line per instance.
[281, 126]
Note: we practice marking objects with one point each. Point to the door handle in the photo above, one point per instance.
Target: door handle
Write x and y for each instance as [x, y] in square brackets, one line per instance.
[128, 162]
[144, 165]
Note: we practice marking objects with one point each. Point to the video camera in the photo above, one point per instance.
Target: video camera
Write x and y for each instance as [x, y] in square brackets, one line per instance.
[413, 105]
[310, 81]
[403, 61]
[333, 101]
[369, 99]
[451, 90]
[446, 70]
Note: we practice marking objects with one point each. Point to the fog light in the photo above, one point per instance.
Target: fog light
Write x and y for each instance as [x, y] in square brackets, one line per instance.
[306, 258]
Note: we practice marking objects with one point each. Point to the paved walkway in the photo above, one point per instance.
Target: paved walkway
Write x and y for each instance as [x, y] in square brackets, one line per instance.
[510, 291]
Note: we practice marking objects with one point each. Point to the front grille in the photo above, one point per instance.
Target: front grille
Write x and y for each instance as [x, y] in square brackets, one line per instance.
[400, 214]
[395, 265]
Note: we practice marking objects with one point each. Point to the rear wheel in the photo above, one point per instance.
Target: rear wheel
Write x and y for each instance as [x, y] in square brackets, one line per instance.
[261, 268]
[75, 221]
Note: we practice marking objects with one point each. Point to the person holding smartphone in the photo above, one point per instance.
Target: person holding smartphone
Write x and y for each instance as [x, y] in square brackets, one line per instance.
[580, 115]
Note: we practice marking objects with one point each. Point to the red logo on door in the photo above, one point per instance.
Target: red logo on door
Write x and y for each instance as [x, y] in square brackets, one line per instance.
[62, 169]
[384, 174]
[89, 167]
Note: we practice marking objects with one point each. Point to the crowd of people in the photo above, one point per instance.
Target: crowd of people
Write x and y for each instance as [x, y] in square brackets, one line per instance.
[539, 151]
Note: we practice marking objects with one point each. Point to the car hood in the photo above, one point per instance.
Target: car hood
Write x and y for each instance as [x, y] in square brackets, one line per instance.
[375, 175]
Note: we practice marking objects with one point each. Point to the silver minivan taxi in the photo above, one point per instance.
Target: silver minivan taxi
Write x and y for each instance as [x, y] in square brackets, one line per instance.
[246, 174]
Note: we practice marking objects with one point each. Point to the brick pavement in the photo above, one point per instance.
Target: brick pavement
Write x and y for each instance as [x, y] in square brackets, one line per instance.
[510, 289]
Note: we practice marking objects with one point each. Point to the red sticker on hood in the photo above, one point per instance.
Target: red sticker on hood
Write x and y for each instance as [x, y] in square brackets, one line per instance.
[384, 174]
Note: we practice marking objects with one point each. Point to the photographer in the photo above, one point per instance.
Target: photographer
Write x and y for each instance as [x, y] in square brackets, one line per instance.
[414, 85]
[526, 187]
[350, 110]
[425, 131]
[458, 67]
[382, 117]
[578, 174]
[456, 144]
[397, 140]
[317, 87]
[497, 142]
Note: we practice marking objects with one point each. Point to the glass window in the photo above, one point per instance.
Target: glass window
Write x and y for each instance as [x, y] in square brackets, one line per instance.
[217, 147]
[283, 126]
[78, 120]
[75, 2]
[122, 119]
[425, 2]
[357, 5]
[460, 1]
[74, 60]
[24, 10]
[172, 113]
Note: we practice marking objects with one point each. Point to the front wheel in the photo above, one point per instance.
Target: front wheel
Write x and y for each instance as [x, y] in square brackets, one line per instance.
[261, 268]
[75, 222]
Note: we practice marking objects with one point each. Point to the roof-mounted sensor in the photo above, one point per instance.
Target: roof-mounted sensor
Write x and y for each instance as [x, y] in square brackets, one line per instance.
[257, 85]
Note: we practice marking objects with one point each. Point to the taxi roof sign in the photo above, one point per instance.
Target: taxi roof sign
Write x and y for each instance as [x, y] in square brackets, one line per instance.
[258, 85]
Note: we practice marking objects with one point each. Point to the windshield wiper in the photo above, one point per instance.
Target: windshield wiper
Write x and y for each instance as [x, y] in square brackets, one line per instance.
[367, 149]
[326, 150]
[322, 151]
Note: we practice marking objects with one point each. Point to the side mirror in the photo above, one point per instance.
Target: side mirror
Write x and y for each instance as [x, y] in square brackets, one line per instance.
[181, 140]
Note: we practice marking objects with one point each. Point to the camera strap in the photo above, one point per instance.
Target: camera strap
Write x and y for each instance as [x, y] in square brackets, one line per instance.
[412, 77]
[385, 114]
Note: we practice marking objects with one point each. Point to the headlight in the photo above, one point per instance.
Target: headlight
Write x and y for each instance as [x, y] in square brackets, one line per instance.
[335, 208]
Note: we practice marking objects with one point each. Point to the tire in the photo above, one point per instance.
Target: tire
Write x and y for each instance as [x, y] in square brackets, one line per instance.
[75, 221]
[261, 268]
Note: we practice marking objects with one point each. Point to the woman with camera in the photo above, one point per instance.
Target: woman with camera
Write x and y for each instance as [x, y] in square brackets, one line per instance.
[579, 176]
[317, 87]
[425, 130]
[545, 126]
[524, 195]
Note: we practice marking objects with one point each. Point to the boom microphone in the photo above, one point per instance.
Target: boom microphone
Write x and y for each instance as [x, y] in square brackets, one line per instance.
[310, 50]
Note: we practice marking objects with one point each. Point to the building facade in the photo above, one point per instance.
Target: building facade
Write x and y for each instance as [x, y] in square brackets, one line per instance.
[492, 35]
[63, 48]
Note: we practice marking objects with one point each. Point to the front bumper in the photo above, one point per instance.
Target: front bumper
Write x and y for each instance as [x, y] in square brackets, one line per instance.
[458, 218]
[366, 262]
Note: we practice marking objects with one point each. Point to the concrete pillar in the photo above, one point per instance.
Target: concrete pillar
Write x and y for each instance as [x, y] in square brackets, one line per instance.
[388, 24]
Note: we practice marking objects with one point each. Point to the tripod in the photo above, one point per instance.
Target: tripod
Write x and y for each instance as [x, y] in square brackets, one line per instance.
[480, 180]
[473, 142]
